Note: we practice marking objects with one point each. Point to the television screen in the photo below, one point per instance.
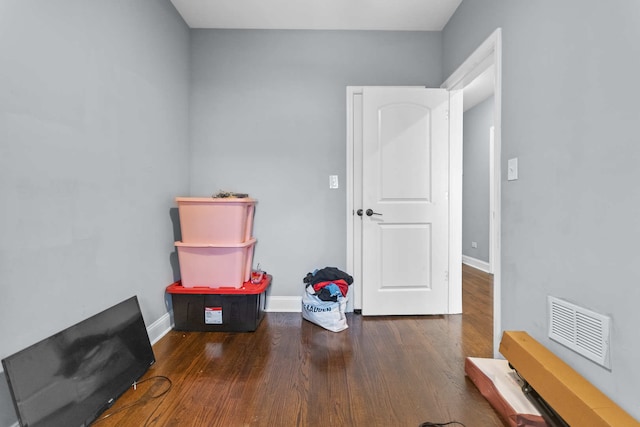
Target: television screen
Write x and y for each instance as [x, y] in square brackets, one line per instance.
[70, 378]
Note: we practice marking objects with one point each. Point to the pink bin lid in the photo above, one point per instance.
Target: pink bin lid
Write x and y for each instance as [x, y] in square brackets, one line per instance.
[216, 245]
[215, 200]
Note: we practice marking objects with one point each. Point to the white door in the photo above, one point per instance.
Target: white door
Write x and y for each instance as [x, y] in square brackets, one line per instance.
[404, 222]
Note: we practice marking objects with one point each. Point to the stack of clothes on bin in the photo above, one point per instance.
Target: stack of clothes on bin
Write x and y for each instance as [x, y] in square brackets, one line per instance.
[328, 284]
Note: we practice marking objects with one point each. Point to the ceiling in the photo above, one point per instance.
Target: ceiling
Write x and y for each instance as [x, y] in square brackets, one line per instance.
[386, 15]
[383, 15]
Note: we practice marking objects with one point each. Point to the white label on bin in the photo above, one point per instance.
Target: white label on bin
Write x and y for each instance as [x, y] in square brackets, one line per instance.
[213, 315]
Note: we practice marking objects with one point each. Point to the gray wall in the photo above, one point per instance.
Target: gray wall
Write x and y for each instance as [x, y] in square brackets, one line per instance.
[570, 114]
[93, 137]
[475, 180]
[93, 148]
[268, 117]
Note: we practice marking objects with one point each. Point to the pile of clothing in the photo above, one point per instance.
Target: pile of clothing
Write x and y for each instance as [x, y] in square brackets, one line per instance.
[328, 284]
[325, 299]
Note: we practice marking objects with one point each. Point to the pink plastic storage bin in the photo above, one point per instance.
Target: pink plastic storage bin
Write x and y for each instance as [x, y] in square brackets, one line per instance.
[215, 266]
[224, 220]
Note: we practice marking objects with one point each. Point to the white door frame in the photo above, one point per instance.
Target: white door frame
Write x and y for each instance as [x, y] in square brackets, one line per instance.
[488, 54]
[354, 234]
[455, 203]
[492, 199]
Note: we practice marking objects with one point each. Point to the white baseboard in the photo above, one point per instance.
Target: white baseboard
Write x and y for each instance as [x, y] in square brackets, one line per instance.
[290, 305]
[476, 263]
[284, 304]
[160, 328]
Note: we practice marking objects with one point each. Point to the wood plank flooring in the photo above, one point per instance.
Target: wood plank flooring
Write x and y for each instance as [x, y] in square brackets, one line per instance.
[382, 371]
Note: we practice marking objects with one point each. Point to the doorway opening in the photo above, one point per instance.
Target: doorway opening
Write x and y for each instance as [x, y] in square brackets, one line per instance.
[485, 61]
[488, 56]
[397, 185]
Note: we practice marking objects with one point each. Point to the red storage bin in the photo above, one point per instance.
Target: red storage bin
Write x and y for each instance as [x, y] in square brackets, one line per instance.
[221, 309]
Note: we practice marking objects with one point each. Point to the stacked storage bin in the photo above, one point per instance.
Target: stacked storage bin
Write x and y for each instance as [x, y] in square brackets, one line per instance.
[216, 250]
[215, 255]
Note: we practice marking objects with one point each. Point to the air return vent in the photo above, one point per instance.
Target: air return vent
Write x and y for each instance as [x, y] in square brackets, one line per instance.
[582, 330]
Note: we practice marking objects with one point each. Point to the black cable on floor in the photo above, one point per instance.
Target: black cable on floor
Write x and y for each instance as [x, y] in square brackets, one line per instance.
[430, 424]
[142, 399]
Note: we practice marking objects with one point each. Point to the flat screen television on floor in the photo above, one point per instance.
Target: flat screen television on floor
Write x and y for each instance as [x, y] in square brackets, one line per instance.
[70, 378]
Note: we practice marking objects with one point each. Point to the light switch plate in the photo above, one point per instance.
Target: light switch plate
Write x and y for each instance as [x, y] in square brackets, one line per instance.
[512, 169]
[333, 182]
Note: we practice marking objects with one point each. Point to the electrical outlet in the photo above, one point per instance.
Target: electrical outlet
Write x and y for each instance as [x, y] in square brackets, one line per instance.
[512, 169]
[333, 182]
[474, 245]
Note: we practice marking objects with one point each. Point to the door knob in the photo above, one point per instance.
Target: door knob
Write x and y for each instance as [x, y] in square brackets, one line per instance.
[359, 212]
[370, 212]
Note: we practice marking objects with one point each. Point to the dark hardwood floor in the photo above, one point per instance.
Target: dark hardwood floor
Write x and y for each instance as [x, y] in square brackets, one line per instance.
[382, 371]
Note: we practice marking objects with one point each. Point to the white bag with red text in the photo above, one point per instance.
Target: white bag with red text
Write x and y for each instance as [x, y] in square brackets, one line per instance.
[328, 314]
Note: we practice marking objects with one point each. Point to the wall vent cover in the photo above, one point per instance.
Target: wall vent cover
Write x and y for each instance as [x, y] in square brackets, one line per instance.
[581, 330]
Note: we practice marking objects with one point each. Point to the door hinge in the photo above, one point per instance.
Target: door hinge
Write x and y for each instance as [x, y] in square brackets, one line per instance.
[446, 275]
[446, 115]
